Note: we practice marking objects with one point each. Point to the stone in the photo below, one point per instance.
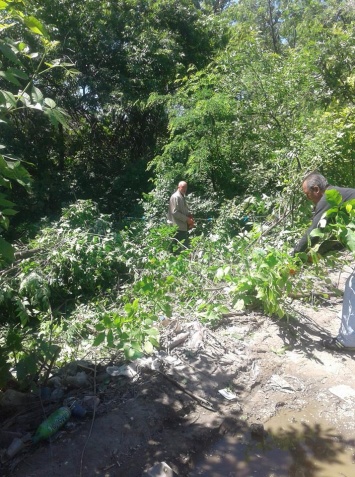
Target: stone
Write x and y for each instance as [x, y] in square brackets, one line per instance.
[160, 470]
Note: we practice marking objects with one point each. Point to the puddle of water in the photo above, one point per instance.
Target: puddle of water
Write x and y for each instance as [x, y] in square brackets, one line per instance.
[297, 444]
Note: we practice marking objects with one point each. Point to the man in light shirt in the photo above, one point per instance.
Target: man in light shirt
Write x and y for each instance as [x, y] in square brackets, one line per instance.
[179, 215]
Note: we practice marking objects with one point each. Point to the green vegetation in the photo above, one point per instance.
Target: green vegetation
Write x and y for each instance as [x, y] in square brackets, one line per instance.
[86, 284]
[104, 107]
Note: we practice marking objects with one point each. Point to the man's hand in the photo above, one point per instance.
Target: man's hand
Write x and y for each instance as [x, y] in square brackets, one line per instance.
[190, 223]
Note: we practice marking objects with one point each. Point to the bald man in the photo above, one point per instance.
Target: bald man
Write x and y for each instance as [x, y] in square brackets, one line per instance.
[179, 214]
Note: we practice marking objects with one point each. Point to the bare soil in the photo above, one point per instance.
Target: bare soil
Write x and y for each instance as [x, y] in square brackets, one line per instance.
[272, 367]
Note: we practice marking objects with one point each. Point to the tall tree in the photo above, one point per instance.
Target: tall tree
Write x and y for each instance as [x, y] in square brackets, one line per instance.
[124, 52]
[262, 16]
[283, 116]
[21, 98]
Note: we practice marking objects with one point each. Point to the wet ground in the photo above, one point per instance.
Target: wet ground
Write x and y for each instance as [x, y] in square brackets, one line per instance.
[255, 397]
[294, 444]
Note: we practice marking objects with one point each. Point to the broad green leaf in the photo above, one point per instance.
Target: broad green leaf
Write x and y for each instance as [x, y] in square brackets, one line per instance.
[4, 167]
[239, 305]
[25, 99]
[154, 342]
[36, 106]
[18, 73]
[9, 53]
[5, 26]
[148, 347]
[167, 309]
[100, 338]
[50, 103]
[14, 171]
[10, 77]
[4, 222]
[317, 233]
[271, 260]
[350, 240]
[21, 46]
[6, 250]
[57, 116]
[4, 202]
[131, 353]
[333, 211]
[333, 197]
[9, 212]
[5, 182]
[3, 5]
[135, 304]
[107, 320]
[36, 95]
[152, 332]
[109, 339]
[9, 98]
[118, 320]
[35, 26]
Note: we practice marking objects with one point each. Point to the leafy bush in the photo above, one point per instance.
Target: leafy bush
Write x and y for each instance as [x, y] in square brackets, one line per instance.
[77, 258]
[87, 285]
[338, 224]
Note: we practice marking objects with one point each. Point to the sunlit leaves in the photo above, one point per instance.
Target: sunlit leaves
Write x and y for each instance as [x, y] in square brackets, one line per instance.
[8, 99]
[35, 26]
[50, 103]
[21, 92]
[36, 95]
[10, 52]
[339, 223]
[333, 197]
[14, 170]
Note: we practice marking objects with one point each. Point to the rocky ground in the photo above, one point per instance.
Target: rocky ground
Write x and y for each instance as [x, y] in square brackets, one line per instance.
[252, 377]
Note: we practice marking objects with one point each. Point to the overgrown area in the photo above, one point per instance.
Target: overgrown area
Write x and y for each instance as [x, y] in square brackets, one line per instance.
[86, 283]
[104, 107]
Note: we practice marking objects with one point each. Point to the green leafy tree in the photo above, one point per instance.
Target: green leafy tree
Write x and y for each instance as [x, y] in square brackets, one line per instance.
[124, 52]
[20, 96]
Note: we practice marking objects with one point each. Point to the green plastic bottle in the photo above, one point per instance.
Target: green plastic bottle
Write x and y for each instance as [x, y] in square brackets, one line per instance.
[51, 425]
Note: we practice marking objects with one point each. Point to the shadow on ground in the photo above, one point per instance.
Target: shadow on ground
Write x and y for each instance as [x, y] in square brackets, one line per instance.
[153, 421]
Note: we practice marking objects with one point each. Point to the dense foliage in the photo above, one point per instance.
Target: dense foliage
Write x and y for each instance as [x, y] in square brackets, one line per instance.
[85, 284]
[105, 106]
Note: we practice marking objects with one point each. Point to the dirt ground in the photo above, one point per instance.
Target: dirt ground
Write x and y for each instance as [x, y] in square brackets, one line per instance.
[270, 368]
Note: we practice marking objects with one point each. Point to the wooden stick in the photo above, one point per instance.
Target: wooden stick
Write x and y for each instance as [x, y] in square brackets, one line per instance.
[203, 402]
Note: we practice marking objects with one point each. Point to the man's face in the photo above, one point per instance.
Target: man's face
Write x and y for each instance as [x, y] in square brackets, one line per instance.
[313, 194]
[183, 189]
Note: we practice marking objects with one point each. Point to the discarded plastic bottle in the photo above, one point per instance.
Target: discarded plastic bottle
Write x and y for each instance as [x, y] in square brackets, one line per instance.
[51, 425]
[77, 410]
